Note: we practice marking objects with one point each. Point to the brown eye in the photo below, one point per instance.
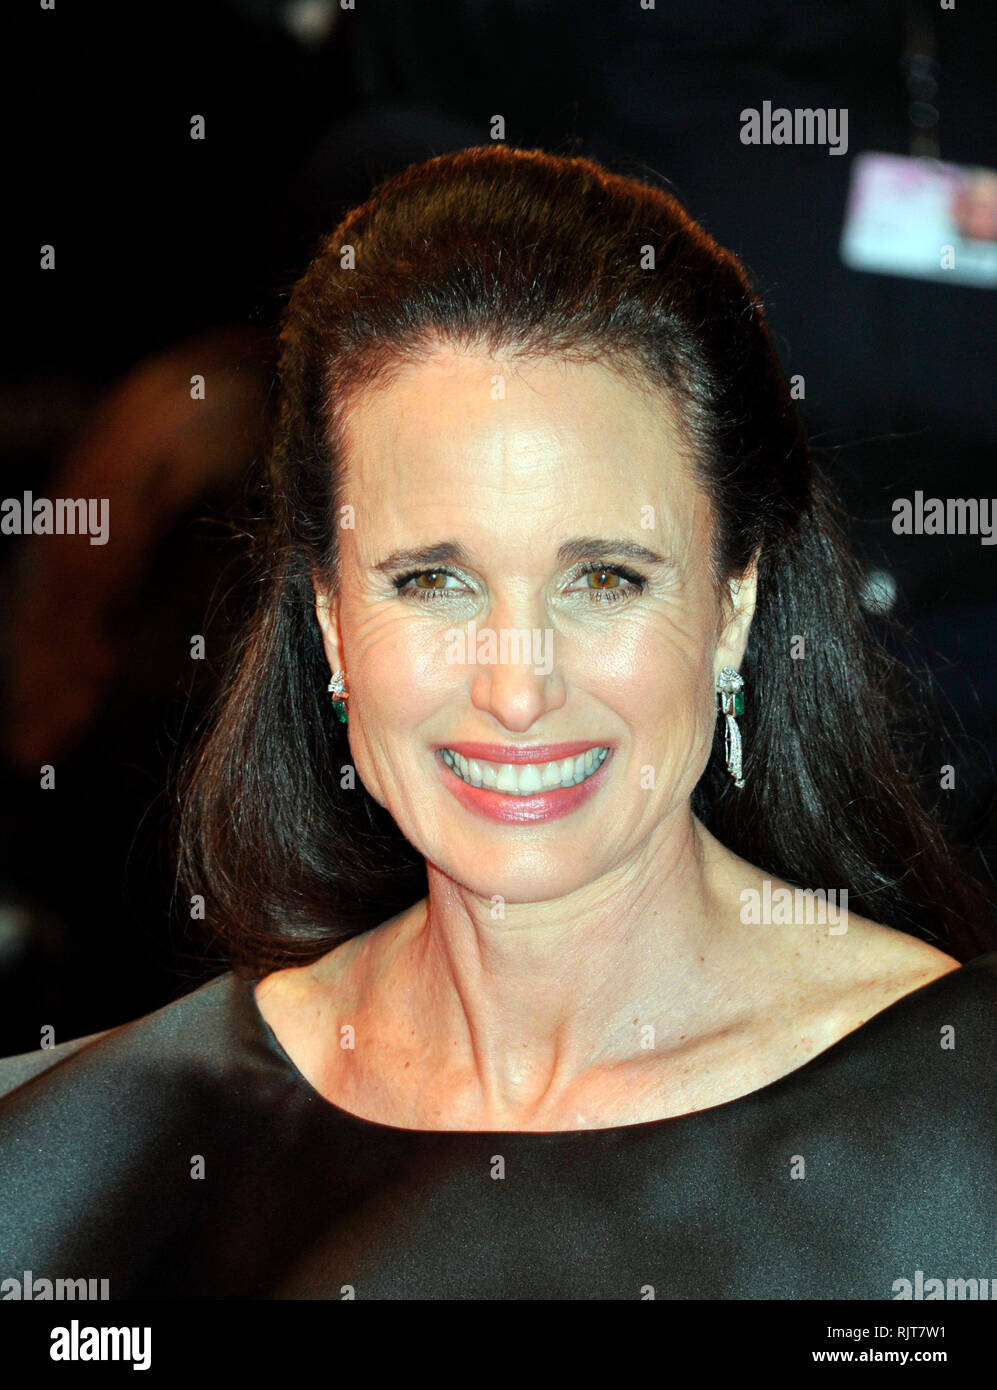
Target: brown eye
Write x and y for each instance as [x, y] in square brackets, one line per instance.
[413, 585]
[623, 583]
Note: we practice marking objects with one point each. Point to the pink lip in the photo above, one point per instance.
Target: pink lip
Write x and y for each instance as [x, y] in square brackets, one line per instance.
[519, 753]
[519, 810]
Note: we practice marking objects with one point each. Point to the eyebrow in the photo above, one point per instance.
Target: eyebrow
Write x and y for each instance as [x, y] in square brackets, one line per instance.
[580, 548]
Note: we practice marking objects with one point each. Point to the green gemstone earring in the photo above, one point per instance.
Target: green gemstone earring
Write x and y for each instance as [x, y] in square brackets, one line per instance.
[339, 693]
[730, 689]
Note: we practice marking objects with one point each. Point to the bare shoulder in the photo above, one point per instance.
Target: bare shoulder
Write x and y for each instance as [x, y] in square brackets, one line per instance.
[880, 964]
[833, 970]
[294, 997]
[899, 955]
[819, 987]
[301, 1003]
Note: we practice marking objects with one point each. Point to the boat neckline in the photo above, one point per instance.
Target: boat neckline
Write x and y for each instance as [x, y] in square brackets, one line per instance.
[847, 1040]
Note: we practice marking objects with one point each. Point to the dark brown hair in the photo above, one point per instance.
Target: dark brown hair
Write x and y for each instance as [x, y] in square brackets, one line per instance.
[528, 252]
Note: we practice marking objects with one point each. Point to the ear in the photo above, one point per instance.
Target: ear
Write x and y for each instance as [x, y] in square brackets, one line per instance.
[734, 637]
[327, 613]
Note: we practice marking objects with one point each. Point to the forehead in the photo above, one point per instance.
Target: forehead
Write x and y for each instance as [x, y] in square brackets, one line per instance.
[476, 436]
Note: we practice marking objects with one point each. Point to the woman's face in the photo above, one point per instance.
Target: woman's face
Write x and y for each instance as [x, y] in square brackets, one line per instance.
[510, 463]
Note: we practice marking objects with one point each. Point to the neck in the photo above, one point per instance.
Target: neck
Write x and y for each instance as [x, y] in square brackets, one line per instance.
[530, 1002]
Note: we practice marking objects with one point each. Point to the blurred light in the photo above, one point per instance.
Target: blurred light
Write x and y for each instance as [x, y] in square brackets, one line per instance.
[923, 115]
[879, 592]
[15, 932]
[923, 88]
[310, 21]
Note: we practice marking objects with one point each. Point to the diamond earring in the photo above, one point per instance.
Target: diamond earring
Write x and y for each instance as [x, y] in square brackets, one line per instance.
[730, 689]
[337, 689]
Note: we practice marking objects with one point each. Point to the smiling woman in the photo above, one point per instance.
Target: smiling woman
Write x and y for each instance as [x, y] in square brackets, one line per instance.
[496, 1025]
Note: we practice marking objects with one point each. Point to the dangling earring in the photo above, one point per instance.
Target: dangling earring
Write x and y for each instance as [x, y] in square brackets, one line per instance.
[339, 693]
[730, 688]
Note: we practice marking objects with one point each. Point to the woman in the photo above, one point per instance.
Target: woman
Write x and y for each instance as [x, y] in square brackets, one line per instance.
[511, 1012]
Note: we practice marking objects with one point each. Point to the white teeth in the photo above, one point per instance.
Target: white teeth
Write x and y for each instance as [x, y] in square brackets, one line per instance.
[529, 779]
[550, 776]
[525, 779]
[506, 778]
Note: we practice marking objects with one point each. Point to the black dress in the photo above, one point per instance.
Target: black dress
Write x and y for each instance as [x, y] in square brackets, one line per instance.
[184, 1156]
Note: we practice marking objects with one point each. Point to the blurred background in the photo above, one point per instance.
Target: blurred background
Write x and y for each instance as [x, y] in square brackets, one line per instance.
[173, 256]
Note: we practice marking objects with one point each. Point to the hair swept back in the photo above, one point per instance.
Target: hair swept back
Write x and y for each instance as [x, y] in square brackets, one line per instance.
[546, 254]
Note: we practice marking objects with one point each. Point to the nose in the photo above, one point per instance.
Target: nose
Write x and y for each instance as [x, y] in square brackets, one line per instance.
[515, 675]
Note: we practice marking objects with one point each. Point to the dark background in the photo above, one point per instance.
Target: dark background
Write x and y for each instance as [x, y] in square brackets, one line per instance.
[173, 253]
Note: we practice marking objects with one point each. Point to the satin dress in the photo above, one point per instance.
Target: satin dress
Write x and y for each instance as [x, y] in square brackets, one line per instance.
[184, 1156]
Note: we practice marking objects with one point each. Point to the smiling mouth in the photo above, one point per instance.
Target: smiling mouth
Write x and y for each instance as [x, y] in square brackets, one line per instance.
[525, 779]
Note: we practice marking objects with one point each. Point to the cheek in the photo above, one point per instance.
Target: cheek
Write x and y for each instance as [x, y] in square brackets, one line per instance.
[670, 699]
[395, 663]
[672, 652]
[395, 680]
